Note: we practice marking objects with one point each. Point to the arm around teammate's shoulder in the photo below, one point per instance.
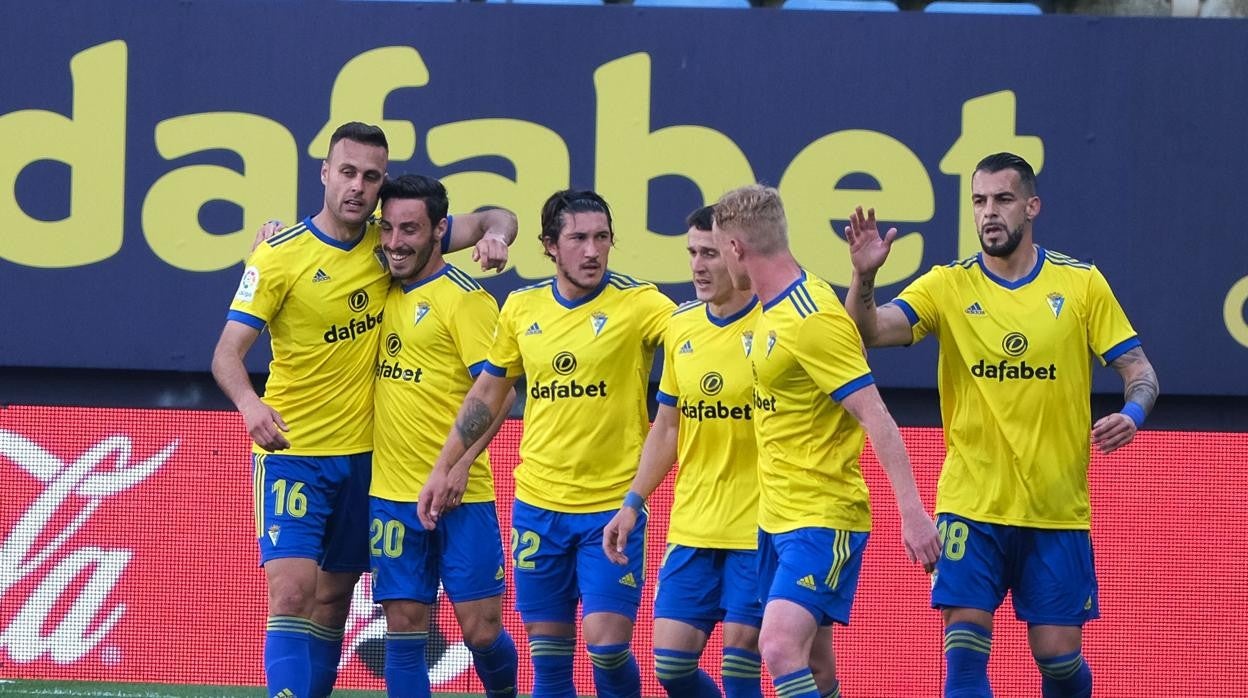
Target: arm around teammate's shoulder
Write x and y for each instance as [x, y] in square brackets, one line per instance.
[489, 232]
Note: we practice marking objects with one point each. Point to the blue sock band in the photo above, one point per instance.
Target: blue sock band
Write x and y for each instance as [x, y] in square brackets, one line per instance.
[325, 651]
[967, 647]
[680, 675]
[496, 666]
[287, 655]
[552, 666]
[742, 672]
[407, 670]
[1065, 676]
[834, 692]
[798, 684]
[615, 671]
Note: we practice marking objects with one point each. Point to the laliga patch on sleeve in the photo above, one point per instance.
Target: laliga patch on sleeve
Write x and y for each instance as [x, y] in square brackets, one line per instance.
[247, 287]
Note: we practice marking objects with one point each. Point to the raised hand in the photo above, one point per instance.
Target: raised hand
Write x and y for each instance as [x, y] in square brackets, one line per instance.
[867, 250]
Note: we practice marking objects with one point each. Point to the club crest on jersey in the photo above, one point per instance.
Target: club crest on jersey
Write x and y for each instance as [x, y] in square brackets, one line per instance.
[422, 309]
[247, 286]
[597, 321]
[747, 341]
[1056, 301]
[771, 342]
[274, 532]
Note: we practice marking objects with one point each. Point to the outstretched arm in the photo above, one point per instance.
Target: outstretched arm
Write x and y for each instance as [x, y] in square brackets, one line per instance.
[658, 456]
[882, 326]
[483, 410]
[1113, 431]
[488, 232]
[917, 530]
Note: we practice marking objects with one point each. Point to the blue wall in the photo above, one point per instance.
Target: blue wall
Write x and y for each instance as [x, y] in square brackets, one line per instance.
[141, 142]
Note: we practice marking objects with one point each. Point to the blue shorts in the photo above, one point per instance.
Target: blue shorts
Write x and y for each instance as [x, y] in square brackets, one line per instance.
[702, 586]
[1049, 572]
[815, 568]
[558, 559]
[313, 507]
[465, 553]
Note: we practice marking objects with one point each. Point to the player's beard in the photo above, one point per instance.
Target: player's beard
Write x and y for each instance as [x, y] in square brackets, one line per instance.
[1006, 247]
[419, 259]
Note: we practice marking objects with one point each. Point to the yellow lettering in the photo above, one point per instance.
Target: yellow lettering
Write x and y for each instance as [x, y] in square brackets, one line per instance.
[812, 200]
[93, 144]
[1233, 311]
[988, 125]
[629, 155]
[360, 92]
[541, 162]
[265, 188]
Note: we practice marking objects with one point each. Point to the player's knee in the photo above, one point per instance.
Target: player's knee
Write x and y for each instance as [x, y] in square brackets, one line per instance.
[406, 616]
[608, 629]
[782, 651]
[291, 597]
[481, 632]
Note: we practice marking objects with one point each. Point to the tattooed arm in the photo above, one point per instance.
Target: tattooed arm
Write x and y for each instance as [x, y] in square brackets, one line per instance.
[886, 325]
[481, 415]
[1116, 430]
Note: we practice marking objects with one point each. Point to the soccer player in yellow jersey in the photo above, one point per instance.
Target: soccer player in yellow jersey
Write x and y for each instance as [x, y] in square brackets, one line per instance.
[704, 418]
[813, 397]
[319, 287]
[584, 341]
[1015, 324]
[437, 329]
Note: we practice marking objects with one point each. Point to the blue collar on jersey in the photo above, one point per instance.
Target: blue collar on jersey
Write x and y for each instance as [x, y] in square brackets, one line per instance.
[785, 293]
[332, 242]
[554, 287]
[726, 321]
[1031, 275]
[417, 284]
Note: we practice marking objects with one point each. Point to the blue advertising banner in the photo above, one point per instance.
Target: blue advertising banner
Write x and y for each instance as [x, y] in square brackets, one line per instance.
[142, 143]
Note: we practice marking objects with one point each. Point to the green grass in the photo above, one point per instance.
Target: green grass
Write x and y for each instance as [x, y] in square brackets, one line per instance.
[73, 689]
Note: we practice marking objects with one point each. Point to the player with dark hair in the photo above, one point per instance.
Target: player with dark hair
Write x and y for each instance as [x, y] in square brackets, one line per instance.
[1015, 324]
[319, 287]
[704, 420]
[813, 398]
[437, 329]
[584, 341]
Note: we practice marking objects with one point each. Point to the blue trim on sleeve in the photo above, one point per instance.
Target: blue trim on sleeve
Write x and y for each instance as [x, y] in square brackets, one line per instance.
[852, 387]
[912, 316]
[475, 369]
[665, 399]
[1120, 348]
[446, 237]
[493, 370]
[246, 318]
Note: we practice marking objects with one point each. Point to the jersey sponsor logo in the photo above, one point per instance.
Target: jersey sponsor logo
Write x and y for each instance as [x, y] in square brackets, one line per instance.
[396, 371]
[422, 309]
[598, 320]
[246, 292]
[358, 300]
[564, 363]
[766, 404]
[703, 410]
[1014, 344]
[1007, 371]
[356, 327]
[747, 341]
[712, 383]
[975, 309]
[555, 391]
[686, 348]
[807, 582]
[771, 342]
[394, 344]
[319, 276]
[629, 580]
[1056, 301]
[533, 329]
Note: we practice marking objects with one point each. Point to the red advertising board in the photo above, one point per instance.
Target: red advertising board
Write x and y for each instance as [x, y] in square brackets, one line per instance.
[129, 555]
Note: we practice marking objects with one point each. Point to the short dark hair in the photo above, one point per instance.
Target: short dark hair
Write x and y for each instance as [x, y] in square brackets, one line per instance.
[360, 133]
[570, 201]
[1009, 161]
[701, 219]
[414, 186]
